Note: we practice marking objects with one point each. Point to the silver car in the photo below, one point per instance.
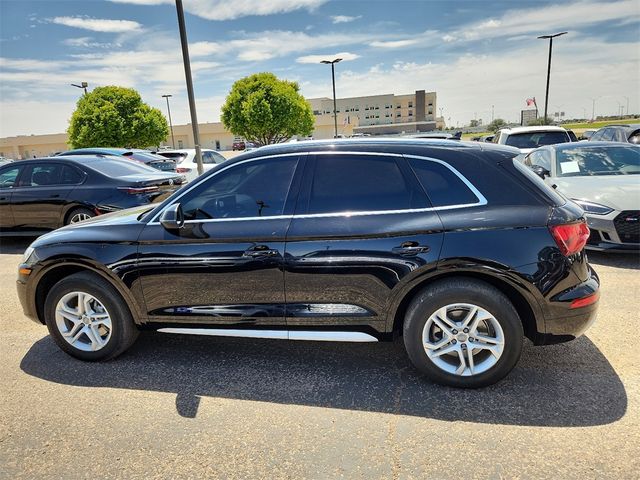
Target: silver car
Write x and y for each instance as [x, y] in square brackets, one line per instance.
[604, 179]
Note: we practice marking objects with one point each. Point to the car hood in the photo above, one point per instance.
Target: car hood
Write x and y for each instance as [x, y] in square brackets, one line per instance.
[621, 192]
[120, 226]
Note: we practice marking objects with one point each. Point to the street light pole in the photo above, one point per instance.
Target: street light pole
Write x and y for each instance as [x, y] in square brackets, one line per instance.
[187, 74]
[333, 81]
[173, 140]
[546, 97]
[83, 85]
[627, 98]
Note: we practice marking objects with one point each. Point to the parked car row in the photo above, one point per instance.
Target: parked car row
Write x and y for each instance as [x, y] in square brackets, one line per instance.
[185, 160]
[143, 156]
[43, 194]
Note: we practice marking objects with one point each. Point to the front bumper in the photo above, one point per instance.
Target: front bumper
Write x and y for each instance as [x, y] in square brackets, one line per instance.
[604, 235]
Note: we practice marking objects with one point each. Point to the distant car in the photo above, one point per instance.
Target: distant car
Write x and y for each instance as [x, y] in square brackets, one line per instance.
[629, 133]
[527, 139]
[186, 164]
[238, 146]
[587, 134]
[46, 193]
[604, 179]
[487, 138]
[144, 156]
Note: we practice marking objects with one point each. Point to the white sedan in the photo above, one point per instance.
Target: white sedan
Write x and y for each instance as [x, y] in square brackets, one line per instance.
[604, 179]
[186, 160]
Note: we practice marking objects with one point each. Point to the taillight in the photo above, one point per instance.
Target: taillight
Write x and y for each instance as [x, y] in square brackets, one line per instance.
[138, 190]
[571, 238]
[182, 170]
[585, 301]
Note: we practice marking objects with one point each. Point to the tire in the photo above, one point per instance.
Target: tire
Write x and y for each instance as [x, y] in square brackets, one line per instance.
[113, 338]
[80, 214]
[498, 331]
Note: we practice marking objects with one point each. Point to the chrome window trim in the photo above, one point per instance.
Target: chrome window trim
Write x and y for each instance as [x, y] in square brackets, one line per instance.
[481, 198]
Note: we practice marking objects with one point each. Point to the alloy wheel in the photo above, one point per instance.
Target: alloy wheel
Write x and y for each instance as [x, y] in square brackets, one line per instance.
[463, 339]
[79, 217]
[83, 321]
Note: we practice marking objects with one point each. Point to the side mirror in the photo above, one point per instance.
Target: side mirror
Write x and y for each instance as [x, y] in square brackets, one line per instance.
[172, 217]
[540, 171]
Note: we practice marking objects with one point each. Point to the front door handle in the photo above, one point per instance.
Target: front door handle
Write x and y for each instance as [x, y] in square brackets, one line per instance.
[410, 248]
[260, 251]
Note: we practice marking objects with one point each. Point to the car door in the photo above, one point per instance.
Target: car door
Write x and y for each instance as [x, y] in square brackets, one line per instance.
[8, 180]
[37, 201]
[362, 227]
[225, 265]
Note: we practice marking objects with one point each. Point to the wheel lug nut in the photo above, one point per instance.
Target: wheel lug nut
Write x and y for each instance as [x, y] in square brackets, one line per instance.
[471, 339]
[454, 341]
[466, 330]
[454, 331]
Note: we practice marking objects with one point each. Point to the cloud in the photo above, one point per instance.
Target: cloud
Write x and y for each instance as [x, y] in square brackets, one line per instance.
[87, 42]
[98, 24]
[230, 10]
[548, 19]
[395, 43]
[343, 18]
[345, 56]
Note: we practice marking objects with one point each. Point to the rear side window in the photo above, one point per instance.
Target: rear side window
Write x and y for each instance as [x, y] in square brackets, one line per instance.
[538, 183]
[354, 183]
[212, 158]
[442, 185]
[71, 176]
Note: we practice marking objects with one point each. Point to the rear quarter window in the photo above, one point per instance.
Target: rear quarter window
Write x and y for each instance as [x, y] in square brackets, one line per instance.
[442, 185]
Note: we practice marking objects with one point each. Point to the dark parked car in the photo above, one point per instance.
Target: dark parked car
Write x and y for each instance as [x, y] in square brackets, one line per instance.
[350, 240]
[143, 156]
[629, 133]
[46, 193]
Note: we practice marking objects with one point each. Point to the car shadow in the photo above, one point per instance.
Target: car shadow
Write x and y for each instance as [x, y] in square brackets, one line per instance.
[562, 385]
[619, 260]
[14, 245]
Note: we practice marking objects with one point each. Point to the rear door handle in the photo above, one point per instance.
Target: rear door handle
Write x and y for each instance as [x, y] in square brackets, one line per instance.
[260, 251]
[410, 248]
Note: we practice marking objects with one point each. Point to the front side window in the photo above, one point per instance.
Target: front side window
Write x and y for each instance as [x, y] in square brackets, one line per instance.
[8, 177]
[353, 183]
[442, 185]
[257, 188]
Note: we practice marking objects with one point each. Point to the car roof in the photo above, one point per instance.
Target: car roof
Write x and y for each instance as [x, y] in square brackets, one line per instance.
[415, 146]
[625, 125]
[111, 151]
[537, 128]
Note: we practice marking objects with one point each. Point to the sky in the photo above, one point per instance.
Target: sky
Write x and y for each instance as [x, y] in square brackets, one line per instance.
[477, 55]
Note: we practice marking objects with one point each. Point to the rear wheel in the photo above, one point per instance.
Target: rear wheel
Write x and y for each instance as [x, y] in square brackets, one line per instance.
[88, 318]
[78, 215]
[463, 333]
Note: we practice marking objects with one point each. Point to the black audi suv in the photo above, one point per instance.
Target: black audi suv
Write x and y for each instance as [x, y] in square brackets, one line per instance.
[453, 246]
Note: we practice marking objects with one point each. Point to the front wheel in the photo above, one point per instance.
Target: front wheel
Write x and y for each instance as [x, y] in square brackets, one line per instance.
[88, 319]
[463, 333]
[78, 215]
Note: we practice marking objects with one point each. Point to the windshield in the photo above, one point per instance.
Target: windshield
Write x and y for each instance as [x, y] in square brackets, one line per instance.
[536, 139]
[116, 167]
[605, 160]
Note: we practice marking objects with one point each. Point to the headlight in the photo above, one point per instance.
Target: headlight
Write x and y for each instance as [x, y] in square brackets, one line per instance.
[594, 208]
[28, 257]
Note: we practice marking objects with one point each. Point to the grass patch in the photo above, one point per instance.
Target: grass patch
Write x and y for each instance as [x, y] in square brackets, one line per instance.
[594, 125]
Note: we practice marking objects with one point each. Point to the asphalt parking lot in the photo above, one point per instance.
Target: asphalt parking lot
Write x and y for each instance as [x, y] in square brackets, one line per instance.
[183, 406]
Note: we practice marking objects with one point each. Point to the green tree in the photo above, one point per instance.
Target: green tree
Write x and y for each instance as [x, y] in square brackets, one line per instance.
[496, 125]
[261, 108]
[539, 121]
[474, 123]
[115, 117]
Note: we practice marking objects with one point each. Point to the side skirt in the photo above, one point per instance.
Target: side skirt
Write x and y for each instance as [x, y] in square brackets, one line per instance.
[322, 336]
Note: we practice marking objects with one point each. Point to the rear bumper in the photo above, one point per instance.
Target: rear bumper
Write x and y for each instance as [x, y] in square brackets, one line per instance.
[573, 322]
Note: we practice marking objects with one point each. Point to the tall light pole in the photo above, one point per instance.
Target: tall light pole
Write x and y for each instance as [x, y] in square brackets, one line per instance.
[546, 97]
[492, 112]
[333, 81]
[173, 140]
[187, 74]
[83, 85]
[593, 107]
[627, 98]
